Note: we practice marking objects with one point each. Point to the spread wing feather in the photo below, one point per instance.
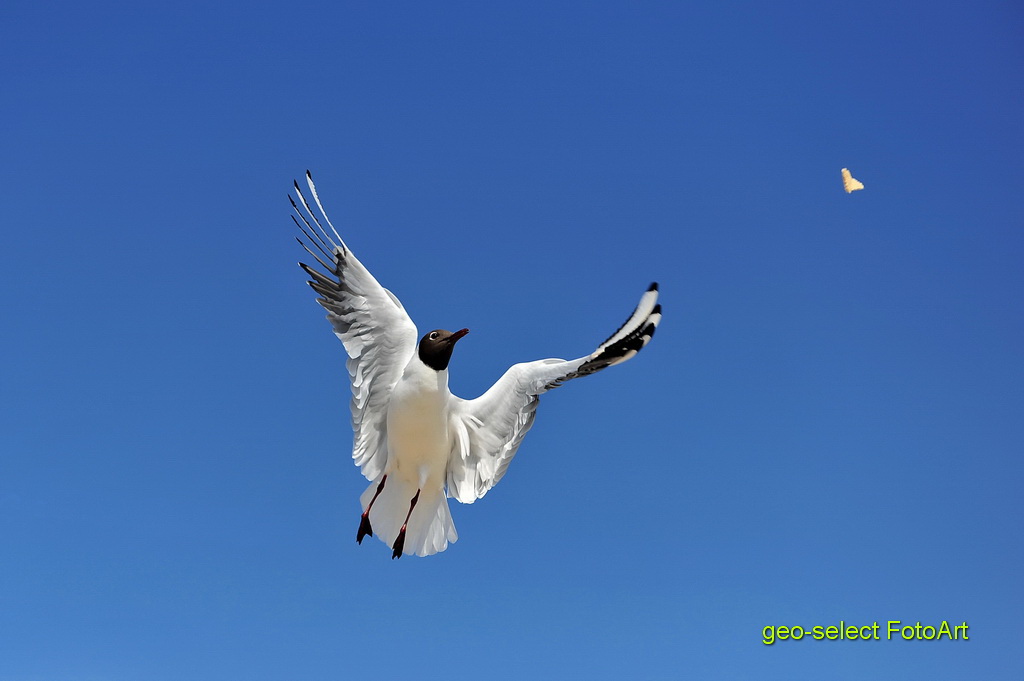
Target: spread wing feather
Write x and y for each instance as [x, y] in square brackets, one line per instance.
[369, 320]
[487, 431]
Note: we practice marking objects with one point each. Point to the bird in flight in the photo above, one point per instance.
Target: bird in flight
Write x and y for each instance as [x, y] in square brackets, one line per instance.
[414, 440]
[849, 183]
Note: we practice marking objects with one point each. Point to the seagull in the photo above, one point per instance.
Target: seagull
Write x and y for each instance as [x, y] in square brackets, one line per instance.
[850, 184]
[415, 441]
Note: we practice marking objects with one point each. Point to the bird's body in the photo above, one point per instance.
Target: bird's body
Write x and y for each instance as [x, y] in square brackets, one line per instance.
[850, 183]
[419, 445]
[418, 428]
[416, 442]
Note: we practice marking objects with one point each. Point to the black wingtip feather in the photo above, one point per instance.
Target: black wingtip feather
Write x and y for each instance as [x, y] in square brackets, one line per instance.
[653, 286]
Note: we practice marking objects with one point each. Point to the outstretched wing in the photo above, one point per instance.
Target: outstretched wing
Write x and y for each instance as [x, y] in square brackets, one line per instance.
[377, 332]
[487, 431]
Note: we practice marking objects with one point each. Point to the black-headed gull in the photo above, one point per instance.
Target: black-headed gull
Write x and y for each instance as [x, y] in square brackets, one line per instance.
[414, 440]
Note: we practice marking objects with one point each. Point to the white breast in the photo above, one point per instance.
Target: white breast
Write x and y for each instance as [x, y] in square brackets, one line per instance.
[418, 438]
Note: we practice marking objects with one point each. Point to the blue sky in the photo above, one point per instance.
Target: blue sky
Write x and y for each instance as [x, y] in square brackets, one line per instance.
[827, 426]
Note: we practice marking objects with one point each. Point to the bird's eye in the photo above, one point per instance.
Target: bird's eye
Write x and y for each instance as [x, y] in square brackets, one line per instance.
[433, 335]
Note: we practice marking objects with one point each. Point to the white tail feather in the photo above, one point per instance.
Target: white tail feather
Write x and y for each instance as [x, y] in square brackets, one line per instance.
[430, 527]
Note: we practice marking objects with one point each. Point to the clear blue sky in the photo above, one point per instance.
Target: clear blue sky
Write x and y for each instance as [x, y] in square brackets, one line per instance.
[828, 425]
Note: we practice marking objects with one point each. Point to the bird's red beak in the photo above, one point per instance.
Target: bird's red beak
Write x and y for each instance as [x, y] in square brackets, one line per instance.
[459, 334]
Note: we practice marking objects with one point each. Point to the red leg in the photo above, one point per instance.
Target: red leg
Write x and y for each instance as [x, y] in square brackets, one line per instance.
[364, 522]
[400, 542]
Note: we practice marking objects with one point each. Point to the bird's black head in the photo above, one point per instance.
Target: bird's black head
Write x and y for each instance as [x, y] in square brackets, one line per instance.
[436, 347]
